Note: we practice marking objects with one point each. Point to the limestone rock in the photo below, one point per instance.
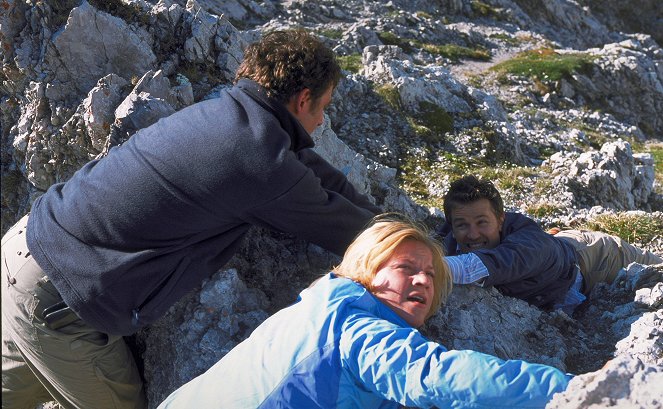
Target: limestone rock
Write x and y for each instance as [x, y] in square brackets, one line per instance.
[94, 44]
[625, 383]
[627, 80]
[612, 177]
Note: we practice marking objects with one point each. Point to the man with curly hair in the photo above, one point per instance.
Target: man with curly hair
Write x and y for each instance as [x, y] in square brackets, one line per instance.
[110, 250]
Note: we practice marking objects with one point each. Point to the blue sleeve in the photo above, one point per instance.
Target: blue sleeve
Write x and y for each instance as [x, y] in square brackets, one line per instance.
[525, 251]
[399, 364]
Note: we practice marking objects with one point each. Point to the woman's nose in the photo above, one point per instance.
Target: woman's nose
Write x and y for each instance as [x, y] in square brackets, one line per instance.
[422, 278]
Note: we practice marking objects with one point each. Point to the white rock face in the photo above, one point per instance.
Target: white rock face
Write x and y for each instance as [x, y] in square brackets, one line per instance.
[94, 44]
[100, 106]
[612, 177]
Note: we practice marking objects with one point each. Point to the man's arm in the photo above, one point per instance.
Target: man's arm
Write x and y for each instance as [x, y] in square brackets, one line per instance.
[467, 269]
[334, 180]
[309, 211]
[399, 364]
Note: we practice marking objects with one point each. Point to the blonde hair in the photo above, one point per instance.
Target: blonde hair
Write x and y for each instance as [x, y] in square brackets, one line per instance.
[375, 245]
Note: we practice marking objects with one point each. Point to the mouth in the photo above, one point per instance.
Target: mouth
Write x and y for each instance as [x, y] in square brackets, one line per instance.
[417, 299]
[475, 246]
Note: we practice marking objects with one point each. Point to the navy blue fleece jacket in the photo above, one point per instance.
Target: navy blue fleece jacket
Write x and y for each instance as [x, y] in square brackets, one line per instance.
[529, 263]
[130, 234]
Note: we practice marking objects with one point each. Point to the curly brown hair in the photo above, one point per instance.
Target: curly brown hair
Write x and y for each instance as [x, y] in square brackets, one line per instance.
[287, 61]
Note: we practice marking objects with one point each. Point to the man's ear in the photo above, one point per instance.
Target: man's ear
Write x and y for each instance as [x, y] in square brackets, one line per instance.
[299, 100]
[500, 220]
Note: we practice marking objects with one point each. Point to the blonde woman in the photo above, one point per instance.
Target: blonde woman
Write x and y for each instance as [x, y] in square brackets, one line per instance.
[350, 341]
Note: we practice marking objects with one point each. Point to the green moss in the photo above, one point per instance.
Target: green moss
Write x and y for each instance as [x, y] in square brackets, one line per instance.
[541, 210]
[475, 80]
[505, 38]
[389, 38]
[350, 63]
[390, 95]
[409, 175]
[545, 64]
[334, 34]
[507, 176]
[657, 153]
[484, 10]
[434, 120]
[456, 52]
[424, 15]
[453, 52]
[634, 228]
[547, 151]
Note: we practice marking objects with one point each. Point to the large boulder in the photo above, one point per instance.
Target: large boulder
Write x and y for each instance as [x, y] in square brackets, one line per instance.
[613, 177]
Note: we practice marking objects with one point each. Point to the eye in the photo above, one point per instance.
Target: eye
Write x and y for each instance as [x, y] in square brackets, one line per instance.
[404, 267]
[430, 274]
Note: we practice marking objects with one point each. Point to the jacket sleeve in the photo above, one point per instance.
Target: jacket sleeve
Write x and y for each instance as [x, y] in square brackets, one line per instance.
[309, 211]
[399, 364]
[334, 180]
[525, 251]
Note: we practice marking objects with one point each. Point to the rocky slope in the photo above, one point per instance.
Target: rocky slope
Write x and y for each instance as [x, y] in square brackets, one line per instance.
[426, 97]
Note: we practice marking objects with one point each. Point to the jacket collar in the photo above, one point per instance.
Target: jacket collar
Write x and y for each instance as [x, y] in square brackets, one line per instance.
[299, 138]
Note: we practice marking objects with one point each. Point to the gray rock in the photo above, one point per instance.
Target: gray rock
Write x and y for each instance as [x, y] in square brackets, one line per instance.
[94, 44]
[612, 177]
[624, 383]
[484, 320]
[99, 108]
[627, 81]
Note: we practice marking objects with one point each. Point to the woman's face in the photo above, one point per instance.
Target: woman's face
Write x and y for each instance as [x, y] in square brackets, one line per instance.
[405, 282]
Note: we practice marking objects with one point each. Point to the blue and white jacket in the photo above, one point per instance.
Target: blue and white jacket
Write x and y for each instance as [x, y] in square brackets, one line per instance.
[340, 347]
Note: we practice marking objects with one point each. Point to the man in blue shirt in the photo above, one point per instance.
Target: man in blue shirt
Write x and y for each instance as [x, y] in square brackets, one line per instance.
[490, 247]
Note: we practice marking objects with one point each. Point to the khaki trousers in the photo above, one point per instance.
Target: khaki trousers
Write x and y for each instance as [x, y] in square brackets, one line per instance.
[48, 353]
[601, 256]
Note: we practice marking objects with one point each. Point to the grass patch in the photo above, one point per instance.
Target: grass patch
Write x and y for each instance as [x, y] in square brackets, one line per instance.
[505, 38]
[334, 34]
[389, 38]
[424, 15]
[483, 10]
[545, 64]
[390, 95]
[657, 152]
[506, 176]
[350, 62]
[411, 170]
[432, 122]
[425, 174]
[453, 52]
[634, 228]
[456, 52]
[541, 210]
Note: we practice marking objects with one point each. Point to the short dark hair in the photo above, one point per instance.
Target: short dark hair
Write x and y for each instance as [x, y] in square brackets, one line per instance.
[287, 61]
[469, 189]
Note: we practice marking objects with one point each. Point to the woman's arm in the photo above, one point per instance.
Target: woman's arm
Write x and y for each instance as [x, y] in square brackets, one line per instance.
[399, 364]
